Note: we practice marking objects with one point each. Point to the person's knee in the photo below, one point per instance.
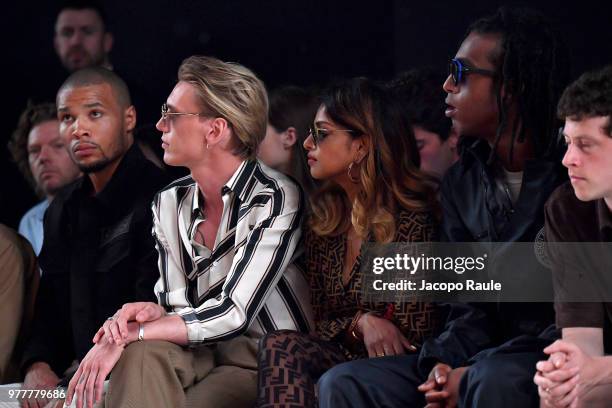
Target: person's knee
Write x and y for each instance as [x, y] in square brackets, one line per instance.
[135, 350]
[224, 386]
[269, 340]
[280, 345]
[499, 380]
[279, 338]
[339, 380]
[488, 376]
[136, 353]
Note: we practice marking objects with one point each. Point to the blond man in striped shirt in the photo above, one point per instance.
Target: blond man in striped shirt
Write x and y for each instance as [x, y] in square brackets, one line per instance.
[228, 240]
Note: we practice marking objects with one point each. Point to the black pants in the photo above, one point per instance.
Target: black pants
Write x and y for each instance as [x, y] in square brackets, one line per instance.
[499, 379]
[375, 382]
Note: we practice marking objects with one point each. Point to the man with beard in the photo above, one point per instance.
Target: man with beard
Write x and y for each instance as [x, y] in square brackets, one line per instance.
[81, 37]
[98, 252]
[42, 157]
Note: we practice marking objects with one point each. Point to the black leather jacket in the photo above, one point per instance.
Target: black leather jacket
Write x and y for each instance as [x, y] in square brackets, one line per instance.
[476, 209]
[98, 253]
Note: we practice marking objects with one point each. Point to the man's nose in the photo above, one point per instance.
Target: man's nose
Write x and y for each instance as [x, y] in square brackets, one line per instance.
[79, 129]
[76, 38]
[162, 125]
[449, 85]
[571, 158]
[44, 155]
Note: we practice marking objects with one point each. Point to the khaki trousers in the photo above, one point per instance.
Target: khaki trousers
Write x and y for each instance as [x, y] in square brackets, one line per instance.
[19, 278]
[154, 373]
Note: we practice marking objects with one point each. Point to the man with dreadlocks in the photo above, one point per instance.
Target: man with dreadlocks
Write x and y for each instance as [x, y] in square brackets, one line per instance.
[502, 90]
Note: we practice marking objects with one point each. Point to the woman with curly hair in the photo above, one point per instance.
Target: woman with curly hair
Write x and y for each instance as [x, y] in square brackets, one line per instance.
[364, 152]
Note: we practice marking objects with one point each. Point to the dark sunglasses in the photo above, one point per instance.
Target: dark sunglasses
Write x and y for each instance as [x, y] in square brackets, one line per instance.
[318, 135]
[458, 69]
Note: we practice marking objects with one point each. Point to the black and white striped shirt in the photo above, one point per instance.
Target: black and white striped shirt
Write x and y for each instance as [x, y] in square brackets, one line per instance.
[249, 282]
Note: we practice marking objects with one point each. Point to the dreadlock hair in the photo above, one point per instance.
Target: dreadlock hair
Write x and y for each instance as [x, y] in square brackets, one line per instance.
[532, 64]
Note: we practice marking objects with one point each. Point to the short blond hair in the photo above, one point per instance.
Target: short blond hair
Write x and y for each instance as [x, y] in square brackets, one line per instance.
[233, 92]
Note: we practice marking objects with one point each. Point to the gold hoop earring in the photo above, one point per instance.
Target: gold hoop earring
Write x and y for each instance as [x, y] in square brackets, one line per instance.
[350, 176]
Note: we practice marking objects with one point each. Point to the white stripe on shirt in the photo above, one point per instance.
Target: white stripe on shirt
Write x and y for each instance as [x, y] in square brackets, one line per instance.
[236, 288]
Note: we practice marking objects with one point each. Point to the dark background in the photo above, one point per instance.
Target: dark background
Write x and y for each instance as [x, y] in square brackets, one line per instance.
[298, 42]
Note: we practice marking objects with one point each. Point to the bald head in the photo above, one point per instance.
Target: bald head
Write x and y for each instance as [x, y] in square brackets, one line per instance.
[98, 76]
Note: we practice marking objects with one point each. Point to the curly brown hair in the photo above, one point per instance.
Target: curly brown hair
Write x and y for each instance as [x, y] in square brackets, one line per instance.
[32, 116]
[390, 177]
[589, 96]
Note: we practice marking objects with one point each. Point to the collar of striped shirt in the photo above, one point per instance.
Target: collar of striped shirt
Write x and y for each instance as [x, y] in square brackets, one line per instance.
[238, 184]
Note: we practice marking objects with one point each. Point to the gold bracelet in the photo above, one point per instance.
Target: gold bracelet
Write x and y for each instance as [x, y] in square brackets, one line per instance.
[353, 326]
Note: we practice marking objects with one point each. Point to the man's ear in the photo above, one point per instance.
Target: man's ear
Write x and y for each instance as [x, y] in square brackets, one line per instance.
[130, 118]
[219, 130]
[289, 137]
[108, 42]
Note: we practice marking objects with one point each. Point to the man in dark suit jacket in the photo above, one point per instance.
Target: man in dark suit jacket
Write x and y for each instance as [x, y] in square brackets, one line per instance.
[98, 252]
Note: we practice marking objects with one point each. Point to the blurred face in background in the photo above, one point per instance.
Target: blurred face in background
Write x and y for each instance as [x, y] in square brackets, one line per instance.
[275, 149]
[81, 39]
[48, 157]
[437, 155]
